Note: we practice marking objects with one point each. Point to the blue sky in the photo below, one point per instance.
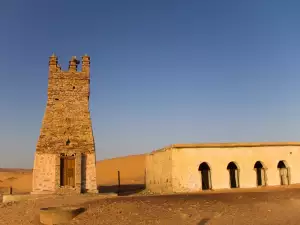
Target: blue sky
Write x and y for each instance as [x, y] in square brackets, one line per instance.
[162, 72]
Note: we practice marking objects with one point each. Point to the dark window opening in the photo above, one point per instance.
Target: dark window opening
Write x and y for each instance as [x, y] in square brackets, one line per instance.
[205, 176]
[233, 175]
[260, 174]
[62, 169]
[281, 165]
[68, 142]
[56, 99]
[73, 87]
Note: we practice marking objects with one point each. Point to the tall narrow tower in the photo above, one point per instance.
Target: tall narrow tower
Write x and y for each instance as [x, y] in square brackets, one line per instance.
[65, 159]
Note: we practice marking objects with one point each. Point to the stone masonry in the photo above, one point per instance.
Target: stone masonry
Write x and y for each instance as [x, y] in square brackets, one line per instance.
[66, 132]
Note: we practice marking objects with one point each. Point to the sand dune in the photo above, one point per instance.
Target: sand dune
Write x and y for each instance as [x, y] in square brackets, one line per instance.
[132, 170]
[20, 181]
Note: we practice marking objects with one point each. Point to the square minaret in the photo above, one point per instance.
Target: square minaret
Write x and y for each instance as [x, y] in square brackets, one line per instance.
[65, 159]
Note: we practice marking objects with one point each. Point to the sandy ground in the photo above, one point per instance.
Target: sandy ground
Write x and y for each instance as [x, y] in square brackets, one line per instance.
[271, 207]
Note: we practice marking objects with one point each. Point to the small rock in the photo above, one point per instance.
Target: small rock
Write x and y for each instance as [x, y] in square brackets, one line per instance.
[185, 215]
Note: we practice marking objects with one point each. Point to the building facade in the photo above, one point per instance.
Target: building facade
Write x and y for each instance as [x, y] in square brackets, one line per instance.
[65, 159]
[196, 167]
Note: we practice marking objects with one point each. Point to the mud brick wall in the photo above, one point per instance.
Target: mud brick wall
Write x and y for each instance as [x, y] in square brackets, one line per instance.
[176, 169]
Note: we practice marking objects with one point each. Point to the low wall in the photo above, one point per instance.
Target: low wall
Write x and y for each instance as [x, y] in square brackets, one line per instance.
[17, 198]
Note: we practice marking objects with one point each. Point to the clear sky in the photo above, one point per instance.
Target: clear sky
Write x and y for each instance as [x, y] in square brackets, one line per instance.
[162, 71]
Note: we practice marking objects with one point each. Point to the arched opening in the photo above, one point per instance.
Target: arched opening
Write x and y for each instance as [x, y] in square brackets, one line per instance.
[233, 175]
[283, 173]
[260, 174]
[205, 176]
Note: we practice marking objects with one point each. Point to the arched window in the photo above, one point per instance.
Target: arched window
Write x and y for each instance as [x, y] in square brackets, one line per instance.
[283, 172]
[233, 175]
[260, 174]
[205, 176]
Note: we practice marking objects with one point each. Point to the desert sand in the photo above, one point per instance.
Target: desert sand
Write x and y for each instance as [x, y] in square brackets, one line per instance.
[276, 207]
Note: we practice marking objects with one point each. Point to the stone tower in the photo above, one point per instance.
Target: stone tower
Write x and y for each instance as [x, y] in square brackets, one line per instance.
[65, 159]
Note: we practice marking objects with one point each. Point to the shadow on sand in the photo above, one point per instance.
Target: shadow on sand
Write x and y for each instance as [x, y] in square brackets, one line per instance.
[204, 221]
[123, 190]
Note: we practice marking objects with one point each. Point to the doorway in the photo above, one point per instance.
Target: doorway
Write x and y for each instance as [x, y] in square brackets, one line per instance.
[67, 171]
[205, 176]
[233, 175]
[283, 173]
[260, 174]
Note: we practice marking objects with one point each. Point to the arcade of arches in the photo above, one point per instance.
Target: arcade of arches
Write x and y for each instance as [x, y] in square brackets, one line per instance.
[260, 171]
[197, 167]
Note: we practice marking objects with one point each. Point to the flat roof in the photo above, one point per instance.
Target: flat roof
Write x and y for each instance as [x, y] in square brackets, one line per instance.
[230, 145]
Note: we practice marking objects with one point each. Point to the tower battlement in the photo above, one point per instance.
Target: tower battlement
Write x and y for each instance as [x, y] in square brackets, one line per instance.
[54, 66]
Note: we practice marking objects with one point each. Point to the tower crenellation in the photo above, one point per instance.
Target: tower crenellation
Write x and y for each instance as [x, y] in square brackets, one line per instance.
[73, 64]
[85, 64]
[53, 63]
